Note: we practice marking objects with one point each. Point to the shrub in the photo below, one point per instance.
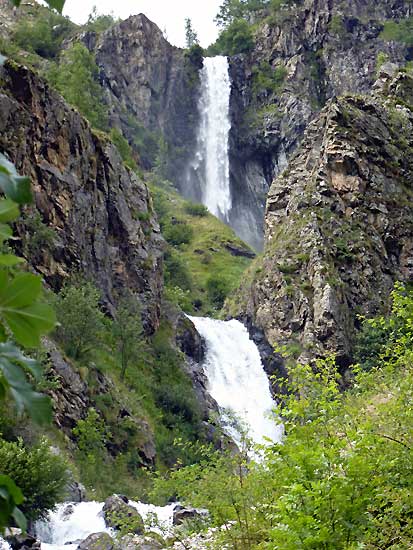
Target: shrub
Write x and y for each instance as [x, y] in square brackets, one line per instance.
[40, 238]
[124, 148]
[38, 472]
[44, 35]
[195, 209]
[99, 22]
[268, 79]
[176, 272]
[218, 289]
[398, 32]
[81, 321]
[178, 233]
[76, 78]
[237, 38]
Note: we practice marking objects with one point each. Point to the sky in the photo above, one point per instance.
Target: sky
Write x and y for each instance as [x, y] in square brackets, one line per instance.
[169, 15]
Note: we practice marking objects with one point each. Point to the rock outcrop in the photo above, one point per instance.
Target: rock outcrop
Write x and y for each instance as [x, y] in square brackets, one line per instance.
[308, 53]
[119, 514]
[100, 211]
[339, 225]
[151, 88]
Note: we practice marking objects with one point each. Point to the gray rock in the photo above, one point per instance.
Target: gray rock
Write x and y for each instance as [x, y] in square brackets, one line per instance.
[121, 515]
[182, 514]
[23, 542]
[97, 541]
[130, 542]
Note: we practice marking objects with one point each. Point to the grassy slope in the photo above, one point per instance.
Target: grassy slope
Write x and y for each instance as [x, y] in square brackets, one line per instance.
[206, 255]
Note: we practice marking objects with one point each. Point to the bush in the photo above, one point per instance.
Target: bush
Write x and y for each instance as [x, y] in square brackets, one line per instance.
[44, 35]
[77, 79]
[218, 289]
[81, 321]
[268, 79]
[176, 272]
[237, 38]
[398, 32]
[195, 209]
[178, 233]
[38, 472]
[39, 239]
[124, 148]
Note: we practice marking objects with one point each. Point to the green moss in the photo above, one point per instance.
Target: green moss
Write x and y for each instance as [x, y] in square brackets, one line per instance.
[401, 31]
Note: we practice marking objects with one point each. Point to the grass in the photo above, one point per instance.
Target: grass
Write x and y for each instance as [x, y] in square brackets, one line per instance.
[205, 255]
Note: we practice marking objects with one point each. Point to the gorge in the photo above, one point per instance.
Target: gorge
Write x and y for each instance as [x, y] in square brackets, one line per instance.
[222, 233]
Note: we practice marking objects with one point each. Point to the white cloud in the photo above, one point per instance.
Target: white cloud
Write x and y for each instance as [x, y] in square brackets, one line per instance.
[168, 15]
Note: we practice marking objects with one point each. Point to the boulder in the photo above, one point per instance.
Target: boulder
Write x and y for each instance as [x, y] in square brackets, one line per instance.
[97, 541]
[134, 542]
[23, 542]
[120, 515]
[182, 514]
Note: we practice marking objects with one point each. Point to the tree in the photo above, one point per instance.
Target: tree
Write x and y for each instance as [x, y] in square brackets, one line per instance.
[128, 330]
[81, 321]
[191, 36]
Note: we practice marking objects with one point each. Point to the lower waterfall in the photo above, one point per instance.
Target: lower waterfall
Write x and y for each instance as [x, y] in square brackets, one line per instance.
[237, 380]
[239, 385]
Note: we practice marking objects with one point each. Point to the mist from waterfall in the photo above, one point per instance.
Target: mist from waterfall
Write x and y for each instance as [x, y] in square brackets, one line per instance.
[211, 159]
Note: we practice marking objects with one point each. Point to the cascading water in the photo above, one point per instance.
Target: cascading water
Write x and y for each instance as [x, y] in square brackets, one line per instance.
[237, 380]
[211, 162]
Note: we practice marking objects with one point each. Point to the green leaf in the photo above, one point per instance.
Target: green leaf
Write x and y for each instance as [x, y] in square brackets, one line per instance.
[5, 233]
[25, 317]
[9, 260]
[11, 488]
[20, 519]
[38, 406]
[9, 210]
[54, 4]
[15, 187]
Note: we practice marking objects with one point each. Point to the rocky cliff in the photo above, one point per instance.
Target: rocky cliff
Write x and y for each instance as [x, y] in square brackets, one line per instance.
[100, 211]
[151, 90]
[339, 227]
[305, 54]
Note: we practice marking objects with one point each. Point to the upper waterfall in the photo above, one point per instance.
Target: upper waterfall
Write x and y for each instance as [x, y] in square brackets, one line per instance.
[211, 160]
[237, 380]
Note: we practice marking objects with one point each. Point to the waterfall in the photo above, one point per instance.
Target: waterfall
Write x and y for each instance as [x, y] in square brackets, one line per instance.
[237, 380]
[211, 161]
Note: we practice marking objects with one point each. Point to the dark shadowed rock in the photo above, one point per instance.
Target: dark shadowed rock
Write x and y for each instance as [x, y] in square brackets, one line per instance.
[182, 514]
[23, 542]
[84, 192]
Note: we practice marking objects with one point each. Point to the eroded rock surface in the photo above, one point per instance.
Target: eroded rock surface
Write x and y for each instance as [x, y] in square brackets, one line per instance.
[339, 225]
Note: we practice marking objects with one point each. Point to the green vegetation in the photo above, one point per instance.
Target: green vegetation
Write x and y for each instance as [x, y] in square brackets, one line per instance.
[191, 38]
[44, 33]
[398, 32]
[268, 79]
[38, 472]
[341, 479]
[81, 323]
[336, 25]
[76, 78]
[99, 22]
[236, 38]
[124, 148]
[199, 271]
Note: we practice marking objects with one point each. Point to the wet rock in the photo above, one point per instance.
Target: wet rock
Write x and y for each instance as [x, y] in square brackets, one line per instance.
[97, 541]
[182, 514]
[121, 515]
[188, 339]
[23, 542]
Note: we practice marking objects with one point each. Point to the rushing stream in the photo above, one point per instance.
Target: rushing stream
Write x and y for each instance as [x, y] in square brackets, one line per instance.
[211, 161]
[239, 385]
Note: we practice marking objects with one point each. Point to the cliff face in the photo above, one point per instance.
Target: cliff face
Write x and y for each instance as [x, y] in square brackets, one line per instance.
[151, 90]
[309, 52]
[100, 211]
[339, 224]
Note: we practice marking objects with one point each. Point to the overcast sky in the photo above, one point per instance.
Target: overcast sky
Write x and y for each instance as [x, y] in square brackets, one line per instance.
[169, 15]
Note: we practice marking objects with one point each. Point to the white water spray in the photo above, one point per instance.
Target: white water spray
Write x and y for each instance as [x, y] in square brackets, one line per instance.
[72, 522]
[211, 159]
[237, 380]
